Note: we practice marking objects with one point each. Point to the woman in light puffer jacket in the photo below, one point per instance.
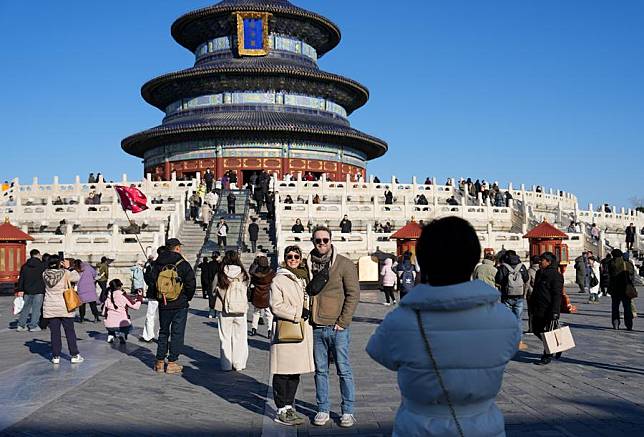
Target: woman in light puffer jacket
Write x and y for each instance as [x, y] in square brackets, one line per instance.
[389, 279]
[471, 335]
[55, 311]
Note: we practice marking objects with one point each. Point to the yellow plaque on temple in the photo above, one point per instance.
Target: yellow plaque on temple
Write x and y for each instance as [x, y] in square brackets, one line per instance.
[252, 33]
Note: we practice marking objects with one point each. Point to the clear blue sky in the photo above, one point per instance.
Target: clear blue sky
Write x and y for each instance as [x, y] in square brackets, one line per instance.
[543, 92]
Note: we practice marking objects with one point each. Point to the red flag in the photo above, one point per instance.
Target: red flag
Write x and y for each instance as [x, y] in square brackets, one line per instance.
[132, 198]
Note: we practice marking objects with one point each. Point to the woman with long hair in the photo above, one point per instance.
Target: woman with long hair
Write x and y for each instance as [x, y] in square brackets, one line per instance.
[290, 303]
[57, 279]
[230, 290]
[86, 288]
[117, 319]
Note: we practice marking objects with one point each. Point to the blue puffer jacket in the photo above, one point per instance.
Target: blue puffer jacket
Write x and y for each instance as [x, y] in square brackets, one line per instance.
[472, 337]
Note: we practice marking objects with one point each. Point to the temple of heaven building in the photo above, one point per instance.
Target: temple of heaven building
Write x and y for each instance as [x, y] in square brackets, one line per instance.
[255, 98]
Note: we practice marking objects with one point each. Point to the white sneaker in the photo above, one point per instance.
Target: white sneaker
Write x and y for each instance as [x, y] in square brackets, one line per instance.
[386, 304]
[55, 360]
[110, 339]
[347, 421]
[21, 329]
[394, 302]
[77, 359]
[321, 418]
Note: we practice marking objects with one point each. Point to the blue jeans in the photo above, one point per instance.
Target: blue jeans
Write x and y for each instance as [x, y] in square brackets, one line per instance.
[515, 304]
[172, 328]
[325, 340]
[33, 305]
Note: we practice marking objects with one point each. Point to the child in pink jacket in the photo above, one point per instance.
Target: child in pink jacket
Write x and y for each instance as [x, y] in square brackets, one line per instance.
[115, 310]
[388, 281]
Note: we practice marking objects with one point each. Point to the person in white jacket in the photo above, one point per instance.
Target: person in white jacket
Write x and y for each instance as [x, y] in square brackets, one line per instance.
[458, 338]
[233, 331]
[594, 279]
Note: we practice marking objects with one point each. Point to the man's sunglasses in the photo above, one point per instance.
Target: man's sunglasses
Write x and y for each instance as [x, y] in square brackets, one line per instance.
[321, 240]
[289, 257]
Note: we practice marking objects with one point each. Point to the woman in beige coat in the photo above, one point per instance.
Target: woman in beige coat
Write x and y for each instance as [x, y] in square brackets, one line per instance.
[289, 301]
[55, 311]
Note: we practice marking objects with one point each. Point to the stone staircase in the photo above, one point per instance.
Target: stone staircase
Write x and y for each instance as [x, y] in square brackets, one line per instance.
[265, 241]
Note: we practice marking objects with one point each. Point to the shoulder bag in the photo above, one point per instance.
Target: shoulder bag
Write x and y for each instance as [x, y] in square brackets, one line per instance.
[438, 373]
[72, 301]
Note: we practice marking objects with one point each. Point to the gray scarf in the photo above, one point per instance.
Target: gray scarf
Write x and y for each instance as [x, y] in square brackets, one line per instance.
[319, 262]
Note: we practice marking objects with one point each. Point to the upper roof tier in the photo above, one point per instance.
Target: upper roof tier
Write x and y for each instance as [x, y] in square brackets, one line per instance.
[196, 27]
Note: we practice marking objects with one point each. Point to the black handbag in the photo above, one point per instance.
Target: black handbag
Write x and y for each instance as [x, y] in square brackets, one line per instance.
[319, 281]
[594, 282]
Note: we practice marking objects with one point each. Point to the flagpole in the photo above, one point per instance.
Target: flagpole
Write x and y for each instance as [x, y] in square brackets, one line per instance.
[145, 255]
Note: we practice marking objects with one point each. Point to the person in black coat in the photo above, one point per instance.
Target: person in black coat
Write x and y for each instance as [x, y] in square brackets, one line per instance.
[31, 286]
[172, 314]
[345, 225]
[253, 234]
[545, 300]
[232, 199]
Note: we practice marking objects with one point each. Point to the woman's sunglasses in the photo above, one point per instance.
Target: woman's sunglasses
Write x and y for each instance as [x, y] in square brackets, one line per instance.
[321, 240]
[290, 257]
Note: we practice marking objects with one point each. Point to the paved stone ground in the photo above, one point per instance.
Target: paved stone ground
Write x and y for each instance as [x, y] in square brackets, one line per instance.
[595, 390]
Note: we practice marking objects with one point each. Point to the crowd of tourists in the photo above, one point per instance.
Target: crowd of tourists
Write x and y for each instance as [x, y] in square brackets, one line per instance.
[308, 305]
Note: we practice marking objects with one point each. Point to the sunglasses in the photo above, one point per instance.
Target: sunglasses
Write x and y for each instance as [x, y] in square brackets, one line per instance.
[321, 240]
[290, 257]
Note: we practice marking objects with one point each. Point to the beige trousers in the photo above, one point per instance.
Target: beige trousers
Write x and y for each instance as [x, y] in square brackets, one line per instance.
[268, 317]
[233, 336]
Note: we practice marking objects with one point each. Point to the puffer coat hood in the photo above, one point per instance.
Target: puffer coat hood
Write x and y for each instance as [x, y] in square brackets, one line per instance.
[472, 337]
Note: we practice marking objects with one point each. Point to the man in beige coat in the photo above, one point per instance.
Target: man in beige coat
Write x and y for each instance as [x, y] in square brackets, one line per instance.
[335, 292]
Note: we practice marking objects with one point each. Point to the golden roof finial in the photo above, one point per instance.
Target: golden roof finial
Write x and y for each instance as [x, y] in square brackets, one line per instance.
[6, 219]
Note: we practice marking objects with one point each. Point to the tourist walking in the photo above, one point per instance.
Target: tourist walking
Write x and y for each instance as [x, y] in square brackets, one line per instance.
[595, 274]
[631, 233]
[206, 215]
[388, 280]
[486, 271]
[288, 360]
[86, 289]
[511, 279]
[209, 179]
[545, 301]
[31, 287]
[222, 233]
[253, 234]
[335, 293]
[619, 288]
[260, 284]
[407, 273]
[604, 279]
[230, 288]
[103, 276]
[117, 318]
[57, 280]
[150, 331]
[137, 277]
[195, 203]
[532, 273]
[582, 273]
[173, 286]
[446, 392]
[231, 199]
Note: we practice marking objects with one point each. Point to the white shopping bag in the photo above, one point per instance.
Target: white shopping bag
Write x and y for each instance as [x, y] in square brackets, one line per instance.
[558, 340]
[18, 303]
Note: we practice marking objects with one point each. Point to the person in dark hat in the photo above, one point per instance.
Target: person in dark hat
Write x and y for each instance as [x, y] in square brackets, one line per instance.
[173, 313]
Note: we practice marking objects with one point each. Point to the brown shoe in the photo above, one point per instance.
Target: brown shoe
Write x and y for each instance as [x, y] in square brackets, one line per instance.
[159, 366]
[173, 367]
[523, 346]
